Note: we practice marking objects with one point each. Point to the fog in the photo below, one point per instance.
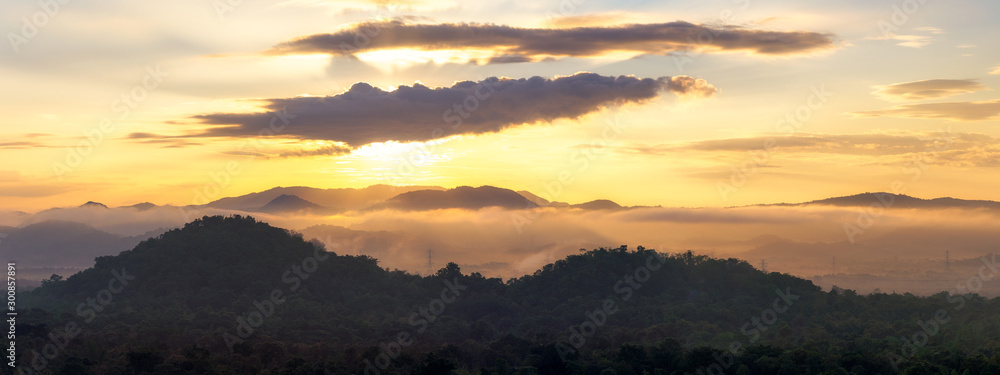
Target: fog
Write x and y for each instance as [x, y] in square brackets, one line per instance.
[901, 250]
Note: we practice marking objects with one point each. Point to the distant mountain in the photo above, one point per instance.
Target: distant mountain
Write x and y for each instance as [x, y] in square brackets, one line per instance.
[63, 244]
[600, 204]
[287, 203]
[341, 199]
[93, 204]
[897, 201]
[541, 201]
[143, 206]
[465, 197]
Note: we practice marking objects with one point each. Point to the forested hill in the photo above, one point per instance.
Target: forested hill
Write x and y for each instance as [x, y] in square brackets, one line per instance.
[233, 295]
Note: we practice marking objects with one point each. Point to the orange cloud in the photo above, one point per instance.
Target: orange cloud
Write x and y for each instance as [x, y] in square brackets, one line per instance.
[954, 111]
[928, 89]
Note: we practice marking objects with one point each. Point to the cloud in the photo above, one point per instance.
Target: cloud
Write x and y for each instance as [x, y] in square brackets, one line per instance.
[537, 44]
[366, 114]
[951, 149]
[9, 176]
[996, 70]
[329, 150]
[508, 59]
[164, 141]
[930, 30]
[866, 144]
[912, 41]
[22, 190]
[928, 89]
[955, 111]
[17, 145]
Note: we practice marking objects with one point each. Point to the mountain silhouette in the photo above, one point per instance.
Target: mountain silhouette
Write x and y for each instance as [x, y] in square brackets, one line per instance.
[344, 199]
[465, 197]
[143, 206]
[600, 204]
[287, 203]
[62, 244]
[897, 201]
[93, 204]
[541, 201]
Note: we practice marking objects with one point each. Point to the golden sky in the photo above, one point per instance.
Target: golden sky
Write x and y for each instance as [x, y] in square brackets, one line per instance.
[682, 103]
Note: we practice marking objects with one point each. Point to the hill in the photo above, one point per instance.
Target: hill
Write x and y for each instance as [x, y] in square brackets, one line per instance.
[542, 202]
[62, 244]
[898, 201]
[344, 199]
[287, 203]
[600, 204]
[465, 197]
[233, 295]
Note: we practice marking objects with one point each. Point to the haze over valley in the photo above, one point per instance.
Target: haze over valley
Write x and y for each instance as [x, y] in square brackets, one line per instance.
[911, 245]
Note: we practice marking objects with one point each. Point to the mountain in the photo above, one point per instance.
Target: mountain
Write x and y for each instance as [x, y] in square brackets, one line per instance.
[898, 201]
[465, 197]
[287, 203]
[342, 199]
[541, 201]
[143, 206]
[62, 244]
[600, 204]
[93, 204]
[234, 295]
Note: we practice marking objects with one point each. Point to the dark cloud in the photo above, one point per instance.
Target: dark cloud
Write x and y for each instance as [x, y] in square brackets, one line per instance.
[955, 111]
[366, 114]
[508, 59]
[660, 38]
[929, 89]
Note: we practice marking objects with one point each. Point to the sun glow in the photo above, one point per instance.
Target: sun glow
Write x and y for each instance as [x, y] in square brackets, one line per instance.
[393, 59]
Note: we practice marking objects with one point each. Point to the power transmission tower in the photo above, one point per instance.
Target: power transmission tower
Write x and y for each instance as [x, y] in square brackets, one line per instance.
[763, 266]
[429, 264]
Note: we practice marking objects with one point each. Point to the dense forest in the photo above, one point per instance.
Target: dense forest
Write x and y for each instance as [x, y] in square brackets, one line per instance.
[232, 295]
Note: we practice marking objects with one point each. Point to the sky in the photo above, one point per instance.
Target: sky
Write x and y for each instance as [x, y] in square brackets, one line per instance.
[673, 103]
